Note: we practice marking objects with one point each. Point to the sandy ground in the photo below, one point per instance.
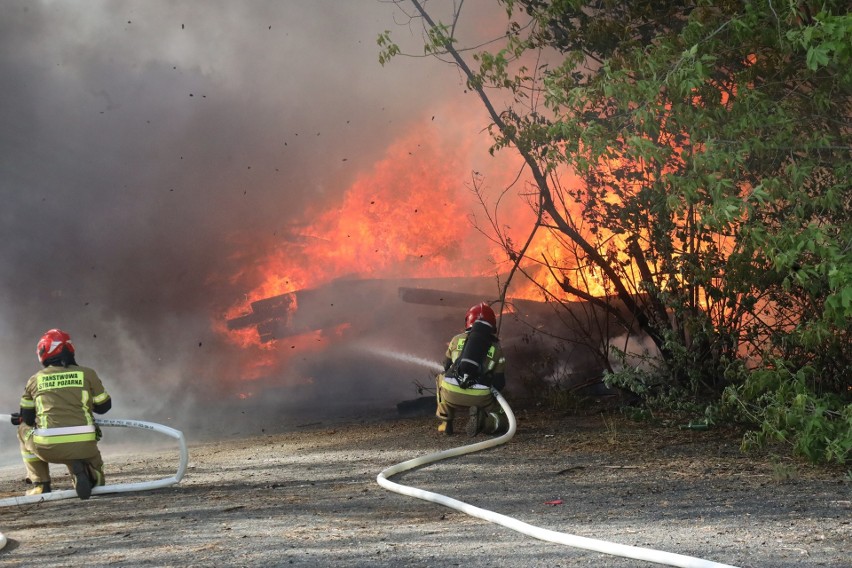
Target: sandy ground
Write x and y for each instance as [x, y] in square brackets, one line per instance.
[307, 496]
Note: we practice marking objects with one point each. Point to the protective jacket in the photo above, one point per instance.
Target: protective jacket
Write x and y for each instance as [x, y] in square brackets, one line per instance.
[59, 401]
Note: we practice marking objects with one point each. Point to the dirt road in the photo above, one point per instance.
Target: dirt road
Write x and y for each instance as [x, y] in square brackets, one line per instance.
[307, 496]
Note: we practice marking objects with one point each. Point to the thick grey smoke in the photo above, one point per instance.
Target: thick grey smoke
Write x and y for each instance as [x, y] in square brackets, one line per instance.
[140, 138]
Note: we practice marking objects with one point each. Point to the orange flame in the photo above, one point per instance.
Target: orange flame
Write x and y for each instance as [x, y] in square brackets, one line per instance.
[408, 216]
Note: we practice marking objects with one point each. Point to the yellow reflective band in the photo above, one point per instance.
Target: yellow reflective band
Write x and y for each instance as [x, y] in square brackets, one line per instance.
[60, 381]
[491, 351]
[29, 457]
[84, 407]
[101, 397]
[27, 403]
[47, 440]
[458, 389]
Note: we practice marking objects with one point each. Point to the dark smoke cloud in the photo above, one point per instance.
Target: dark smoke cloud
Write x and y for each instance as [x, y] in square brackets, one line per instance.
[140, 138]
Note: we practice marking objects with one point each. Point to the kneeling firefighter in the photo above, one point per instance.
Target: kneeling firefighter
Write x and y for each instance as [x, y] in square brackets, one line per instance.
[55, 424]
[474, 363]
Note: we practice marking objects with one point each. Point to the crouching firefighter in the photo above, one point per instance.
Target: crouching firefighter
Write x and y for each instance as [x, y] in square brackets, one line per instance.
[473, 364]
[55, 424]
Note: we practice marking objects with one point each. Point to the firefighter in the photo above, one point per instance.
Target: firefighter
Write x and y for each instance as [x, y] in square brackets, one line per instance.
[474, 363]
[55, 424]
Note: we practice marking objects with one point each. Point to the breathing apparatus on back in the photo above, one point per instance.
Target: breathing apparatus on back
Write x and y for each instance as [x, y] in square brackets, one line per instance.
[468, 368]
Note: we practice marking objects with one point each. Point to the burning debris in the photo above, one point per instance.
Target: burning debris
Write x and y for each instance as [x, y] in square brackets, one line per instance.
[365, 306]
[420, 315]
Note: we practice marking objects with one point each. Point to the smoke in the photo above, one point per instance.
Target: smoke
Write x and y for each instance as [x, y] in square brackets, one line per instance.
[635, 352]
[145, 144]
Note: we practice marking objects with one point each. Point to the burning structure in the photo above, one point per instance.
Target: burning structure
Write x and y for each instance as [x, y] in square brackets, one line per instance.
[419, 315]
[430, 306]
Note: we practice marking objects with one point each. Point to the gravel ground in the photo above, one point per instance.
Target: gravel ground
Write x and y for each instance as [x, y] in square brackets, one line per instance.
[307, 496]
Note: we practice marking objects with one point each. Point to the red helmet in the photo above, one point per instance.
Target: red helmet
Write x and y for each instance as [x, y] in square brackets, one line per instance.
[480, 311]
[54, 342]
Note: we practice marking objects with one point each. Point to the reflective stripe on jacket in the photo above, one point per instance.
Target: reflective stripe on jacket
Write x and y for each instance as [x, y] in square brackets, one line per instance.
[45, 436]
[63, 399]
[452, 384]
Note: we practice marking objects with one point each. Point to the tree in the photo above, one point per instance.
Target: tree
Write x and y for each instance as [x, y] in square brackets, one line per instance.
[712, 145]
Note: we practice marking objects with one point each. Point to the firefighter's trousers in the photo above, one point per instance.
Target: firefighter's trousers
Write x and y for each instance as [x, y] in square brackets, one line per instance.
[451, 397]
[37, 457]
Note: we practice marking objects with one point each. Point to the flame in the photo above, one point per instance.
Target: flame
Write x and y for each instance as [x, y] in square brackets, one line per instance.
[409, 216]
[406, 217]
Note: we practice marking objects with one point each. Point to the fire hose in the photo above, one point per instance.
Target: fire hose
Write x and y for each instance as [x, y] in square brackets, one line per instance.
[117, 488]
[615, 549]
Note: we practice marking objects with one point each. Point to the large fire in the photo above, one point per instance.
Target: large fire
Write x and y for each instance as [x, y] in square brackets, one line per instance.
[413, 214]
[407, 216]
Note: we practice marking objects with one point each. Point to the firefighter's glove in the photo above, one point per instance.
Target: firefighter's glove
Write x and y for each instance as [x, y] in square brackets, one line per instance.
[16, 418]
[98, 433]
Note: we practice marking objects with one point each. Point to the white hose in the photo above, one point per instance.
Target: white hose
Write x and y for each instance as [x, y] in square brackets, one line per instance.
[603, 546]
[118, 488]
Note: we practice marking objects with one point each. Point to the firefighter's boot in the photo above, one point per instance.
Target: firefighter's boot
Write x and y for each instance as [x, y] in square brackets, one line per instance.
[446, 427]
[82, 481]
[474, 423]
[39, 487]
[97, 477]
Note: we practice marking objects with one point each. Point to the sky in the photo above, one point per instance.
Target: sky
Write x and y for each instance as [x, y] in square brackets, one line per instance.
[151, 150]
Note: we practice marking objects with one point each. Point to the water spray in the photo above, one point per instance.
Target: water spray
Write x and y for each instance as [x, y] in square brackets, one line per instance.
[605, 547]
[405, 357]
[118, 488]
